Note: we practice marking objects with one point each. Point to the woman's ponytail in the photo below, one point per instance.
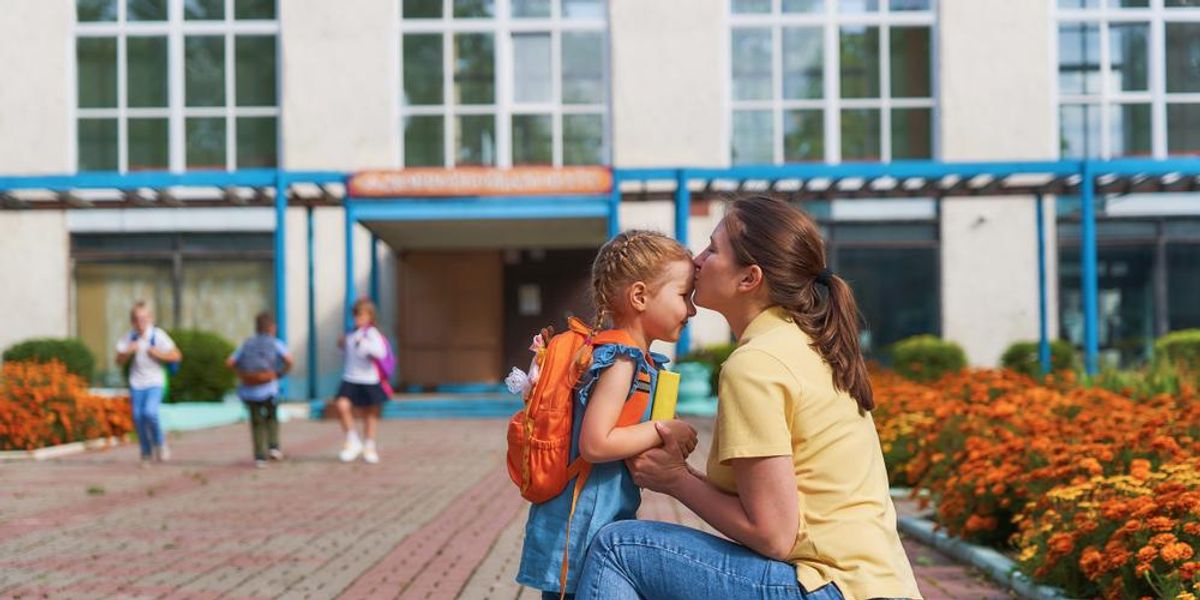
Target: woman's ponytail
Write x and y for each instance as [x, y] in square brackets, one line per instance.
[786, 244]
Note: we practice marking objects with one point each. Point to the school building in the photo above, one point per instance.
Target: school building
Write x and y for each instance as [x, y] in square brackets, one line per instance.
[461, 160]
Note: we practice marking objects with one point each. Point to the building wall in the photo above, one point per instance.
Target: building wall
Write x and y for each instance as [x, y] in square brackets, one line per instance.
[340, 89]
[37, 62]
[996, 103]
[668, 82]
[35, 272]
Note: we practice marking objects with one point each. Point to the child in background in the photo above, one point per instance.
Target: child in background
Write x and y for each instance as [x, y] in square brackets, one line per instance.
[642, 283]
[260, 361]
[361, 392]
[147, 350]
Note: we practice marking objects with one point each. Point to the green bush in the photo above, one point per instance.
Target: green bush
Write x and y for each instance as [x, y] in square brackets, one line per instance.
[1179, 349]
[925, 358]
[202, 376]
[713, 356]
[69, 351]
[1022, 357]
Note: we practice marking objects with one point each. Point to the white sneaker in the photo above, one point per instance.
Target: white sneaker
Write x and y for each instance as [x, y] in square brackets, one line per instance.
[162, 453]
[350, 449]
[369, 454]
[275, 454]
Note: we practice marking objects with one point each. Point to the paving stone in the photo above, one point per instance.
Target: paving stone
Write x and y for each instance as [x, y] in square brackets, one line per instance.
[436, 519]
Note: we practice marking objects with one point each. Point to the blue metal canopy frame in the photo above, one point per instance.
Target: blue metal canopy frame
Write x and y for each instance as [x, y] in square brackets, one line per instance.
[925, 179]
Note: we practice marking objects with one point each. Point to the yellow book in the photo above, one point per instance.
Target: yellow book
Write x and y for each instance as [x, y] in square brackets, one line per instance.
[665, 396]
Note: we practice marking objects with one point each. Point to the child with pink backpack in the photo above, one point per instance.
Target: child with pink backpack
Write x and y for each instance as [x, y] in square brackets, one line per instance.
[366, 376]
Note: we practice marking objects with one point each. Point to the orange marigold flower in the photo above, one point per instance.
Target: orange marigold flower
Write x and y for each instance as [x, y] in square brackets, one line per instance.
[1061, 543]
[1147, 554]
[1161, 523]
[1163, 539]
[1177, 552]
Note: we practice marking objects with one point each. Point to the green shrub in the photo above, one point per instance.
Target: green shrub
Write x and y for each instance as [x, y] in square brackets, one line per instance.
[1179, 349]
[714, 356]
[202, 376]
[925, 358]
[1022, 357]
[69, 351]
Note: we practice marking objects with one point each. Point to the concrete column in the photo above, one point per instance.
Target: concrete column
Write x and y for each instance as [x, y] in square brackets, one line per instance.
[996, 103]
[340, 84]
[669, 78]
[35, 271]
[37, 51]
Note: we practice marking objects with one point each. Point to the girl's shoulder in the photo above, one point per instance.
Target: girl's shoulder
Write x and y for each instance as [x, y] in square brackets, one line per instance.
[605, 355]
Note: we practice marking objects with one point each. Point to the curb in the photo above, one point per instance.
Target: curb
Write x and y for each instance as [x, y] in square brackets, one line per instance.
[58, 451]
[997, 566]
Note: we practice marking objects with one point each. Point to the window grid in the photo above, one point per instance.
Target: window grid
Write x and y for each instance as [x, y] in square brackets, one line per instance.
[1107, 100]
[501, 26]
[176, 29]
[831, 103]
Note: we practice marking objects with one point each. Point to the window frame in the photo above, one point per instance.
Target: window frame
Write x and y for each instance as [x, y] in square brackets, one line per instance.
[175, 29]
[831, 103]
[502, 26]
[1156, 16]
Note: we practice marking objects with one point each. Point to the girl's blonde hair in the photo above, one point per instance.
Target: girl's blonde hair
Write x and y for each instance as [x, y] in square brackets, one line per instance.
[631, 256]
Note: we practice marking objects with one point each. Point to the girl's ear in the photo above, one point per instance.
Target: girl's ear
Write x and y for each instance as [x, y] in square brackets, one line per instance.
[751, 279]
[637, 296]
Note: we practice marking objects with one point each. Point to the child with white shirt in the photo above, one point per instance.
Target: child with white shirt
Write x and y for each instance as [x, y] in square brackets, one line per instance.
[361, 392]
[147, 350]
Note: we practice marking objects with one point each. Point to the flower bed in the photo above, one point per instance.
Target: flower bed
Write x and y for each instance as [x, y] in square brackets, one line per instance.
[998, 450]
[44, 405]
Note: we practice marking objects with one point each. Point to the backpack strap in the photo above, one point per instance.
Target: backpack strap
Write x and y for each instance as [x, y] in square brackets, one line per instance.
[631, 414]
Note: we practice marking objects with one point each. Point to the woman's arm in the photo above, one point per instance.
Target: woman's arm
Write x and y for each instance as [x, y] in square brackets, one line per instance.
[765, 514]
[600, 440]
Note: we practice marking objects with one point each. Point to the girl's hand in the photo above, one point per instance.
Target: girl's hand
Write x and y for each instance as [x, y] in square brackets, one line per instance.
[661, 469]
[681, 433]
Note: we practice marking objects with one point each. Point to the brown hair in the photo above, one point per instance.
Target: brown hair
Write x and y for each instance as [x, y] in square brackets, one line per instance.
[364, 304]
[263, 321]
[139, 305]
[631, 256]
[785, 243]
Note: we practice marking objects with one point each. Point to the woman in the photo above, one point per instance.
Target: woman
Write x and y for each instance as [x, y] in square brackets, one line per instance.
[795, 475]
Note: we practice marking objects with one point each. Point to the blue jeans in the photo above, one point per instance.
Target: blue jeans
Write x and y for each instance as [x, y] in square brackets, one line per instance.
[631, 560]
[145, 417]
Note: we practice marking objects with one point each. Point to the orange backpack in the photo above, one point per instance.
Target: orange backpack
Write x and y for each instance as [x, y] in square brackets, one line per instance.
[539, 436]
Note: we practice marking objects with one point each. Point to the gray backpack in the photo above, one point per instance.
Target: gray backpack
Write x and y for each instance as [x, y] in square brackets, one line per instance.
[259, 354]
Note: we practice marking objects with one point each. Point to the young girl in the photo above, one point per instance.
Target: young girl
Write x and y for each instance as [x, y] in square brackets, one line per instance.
[642, 284]
[361, 391]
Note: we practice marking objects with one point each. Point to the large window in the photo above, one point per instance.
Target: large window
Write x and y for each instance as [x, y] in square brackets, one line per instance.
[1148, 271]
[216, 282]
[831, 80]
[487, 83]
[176, 84]
[1128, 78]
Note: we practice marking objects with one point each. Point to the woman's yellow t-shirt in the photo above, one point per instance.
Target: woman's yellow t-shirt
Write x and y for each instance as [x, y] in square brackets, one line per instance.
[777, 398]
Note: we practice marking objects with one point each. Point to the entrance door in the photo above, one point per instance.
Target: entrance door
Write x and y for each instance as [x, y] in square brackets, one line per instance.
[451, 317]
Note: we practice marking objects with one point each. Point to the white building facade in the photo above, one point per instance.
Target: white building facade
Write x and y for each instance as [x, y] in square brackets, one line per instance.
[184, 85]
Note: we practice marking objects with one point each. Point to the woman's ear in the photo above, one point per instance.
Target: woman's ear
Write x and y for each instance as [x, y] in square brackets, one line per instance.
[751, 279]
[637, 296]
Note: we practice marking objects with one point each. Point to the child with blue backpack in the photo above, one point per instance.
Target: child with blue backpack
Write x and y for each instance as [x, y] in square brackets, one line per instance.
[366, 376]
[150, 355]
[259, 362]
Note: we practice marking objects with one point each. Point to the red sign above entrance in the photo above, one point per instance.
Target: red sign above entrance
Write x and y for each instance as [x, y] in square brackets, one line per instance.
[481, 181]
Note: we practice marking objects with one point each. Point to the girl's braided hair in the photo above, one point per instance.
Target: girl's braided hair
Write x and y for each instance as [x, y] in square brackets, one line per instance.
[631, 256]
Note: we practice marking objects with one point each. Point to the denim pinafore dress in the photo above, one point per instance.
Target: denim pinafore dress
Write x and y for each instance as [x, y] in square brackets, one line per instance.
[609, 494]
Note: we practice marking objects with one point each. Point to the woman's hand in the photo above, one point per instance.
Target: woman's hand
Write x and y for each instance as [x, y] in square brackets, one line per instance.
[661, 469]
[684, 434]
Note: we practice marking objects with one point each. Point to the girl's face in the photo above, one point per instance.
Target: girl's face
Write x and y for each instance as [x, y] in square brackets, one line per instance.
[717, 272]
[362, 318]
[669, 307]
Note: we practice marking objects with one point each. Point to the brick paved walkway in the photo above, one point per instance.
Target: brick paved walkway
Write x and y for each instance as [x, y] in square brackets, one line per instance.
[437, 519]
